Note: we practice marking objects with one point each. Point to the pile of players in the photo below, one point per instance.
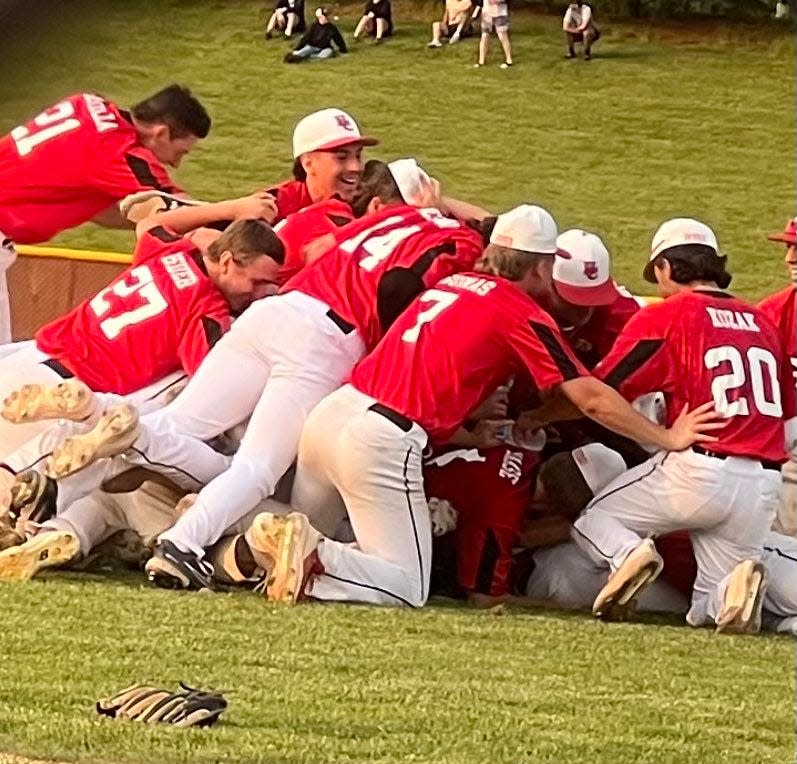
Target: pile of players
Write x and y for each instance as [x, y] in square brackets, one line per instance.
[352, 387]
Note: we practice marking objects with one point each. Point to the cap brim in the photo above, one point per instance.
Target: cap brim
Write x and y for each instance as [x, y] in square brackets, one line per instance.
[784, 237]
[362, 140]
[588, 296]
[563, 253]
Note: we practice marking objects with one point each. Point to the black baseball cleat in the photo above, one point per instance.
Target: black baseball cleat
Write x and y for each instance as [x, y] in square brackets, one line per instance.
[171, 568]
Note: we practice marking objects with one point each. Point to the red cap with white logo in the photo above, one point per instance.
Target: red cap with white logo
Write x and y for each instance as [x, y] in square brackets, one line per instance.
[675, 233]
[586, 278]
[326, 130]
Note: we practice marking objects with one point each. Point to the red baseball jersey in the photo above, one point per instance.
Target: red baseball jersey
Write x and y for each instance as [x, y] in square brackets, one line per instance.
[491, 490]
[161, 315]
[705, 345]
[300, 228]
[291, 196]
[594, 339]
[382, 261]
[456, 344]
[780, 308]
[70, 163]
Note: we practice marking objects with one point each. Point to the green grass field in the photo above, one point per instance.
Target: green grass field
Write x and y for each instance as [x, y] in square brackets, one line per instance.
[661, 123]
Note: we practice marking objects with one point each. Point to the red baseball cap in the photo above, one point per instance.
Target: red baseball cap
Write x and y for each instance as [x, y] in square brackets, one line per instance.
[788, 235]
[325, 130]
[585, 278]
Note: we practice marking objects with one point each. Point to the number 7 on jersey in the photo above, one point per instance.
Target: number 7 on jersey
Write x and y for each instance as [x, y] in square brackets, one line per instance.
[439, 300]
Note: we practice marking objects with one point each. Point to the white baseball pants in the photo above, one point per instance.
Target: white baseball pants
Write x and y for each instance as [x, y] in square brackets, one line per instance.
[7, 257]
[780, 600]
[566, 577]
[374, 466]
[281, 357]
[727, 504]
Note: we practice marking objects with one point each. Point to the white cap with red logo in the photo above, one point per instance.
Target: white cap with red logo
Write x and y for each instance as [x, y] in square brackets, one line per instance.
[326, 130]
[586, 278]
[675, 233]
[527, 228]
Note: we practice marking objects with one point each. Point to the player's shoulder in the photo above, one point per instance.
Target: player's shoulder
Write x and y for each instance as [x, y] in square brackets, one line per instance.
[779, 300]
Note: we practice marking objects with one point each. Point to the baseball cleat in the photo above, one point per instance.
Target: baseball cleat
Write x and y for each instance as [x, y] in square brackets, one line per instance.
[44, 550]
[744, 598]
[8, 535]
[33, 497]
[70, 399]
[114, 433]
[135, 207]
[639, 569]
[293, 544]
[171, 568]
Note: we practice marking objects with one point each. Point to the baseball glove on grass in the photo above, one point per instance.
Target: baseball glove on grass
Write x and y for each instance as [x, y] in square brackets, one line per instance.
[186, 708]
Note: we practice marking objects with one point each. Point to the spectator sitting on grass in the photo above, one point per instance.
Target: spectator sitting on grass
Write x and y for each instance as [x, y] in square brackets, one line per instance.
[377, 20]
[317, 40]
[579, 26]
[288, 16]
[457, 22]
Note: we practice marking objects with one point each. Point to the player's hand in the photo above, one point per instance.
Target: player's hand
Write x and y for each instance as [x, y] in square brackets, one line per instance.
[489, 433]
[261, 206]
[695, 426]
[429, 194]
[493, 407]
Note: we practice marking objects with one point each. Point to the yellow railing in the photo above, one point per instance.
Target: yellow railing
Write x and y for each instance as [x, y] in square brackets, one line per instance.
[85, 255]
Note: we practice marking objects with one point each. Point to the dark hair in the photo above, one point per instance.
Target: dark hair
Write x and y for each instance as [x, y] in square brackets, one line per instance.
[298, 170]
[376, 181]
[695, 262]
[248, 240]
[176, 107]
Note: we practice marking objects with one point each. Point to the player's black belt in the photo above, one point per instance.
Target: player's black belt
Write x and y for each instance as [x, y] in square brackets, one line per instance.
[767, 465]
[58, 368]
[340, 322]
[398, 419]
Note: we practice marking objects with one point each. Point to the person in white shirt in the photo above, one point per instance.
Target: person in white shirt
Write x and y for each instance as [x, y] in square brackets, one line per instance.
[495, 18]
[579, 27]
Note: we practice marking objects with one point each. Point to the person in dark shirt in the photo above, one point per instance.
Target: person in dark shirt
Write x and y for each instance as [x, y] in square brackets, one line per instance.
[288, 17]
[377, 20]
[317, 40]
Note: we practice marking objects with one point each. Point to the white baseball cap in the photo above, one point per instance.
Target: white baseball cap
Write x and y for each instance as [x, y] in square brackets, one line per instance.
[674, 233]
[599, 465]
[586, 278]
[528, 228]
[327, 129]
[411, 179]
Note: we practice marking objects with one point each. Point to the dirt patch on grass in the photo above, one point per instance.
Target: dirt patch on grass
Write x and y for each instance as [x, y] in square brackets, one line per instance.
[12, 758]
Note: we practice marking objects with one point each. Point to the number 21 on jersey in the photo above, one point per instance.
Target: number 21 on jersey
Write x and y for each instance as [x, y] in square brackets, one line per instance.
[148, 300]
[52, 122]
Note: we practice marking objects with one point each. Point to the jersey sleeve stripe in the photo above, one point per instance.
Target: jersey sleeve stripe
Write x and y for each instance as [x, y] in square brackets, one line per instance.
[142, 172]
[563, 362]
[161, 234]
[424, 262]
[637, 357]
[212, 329]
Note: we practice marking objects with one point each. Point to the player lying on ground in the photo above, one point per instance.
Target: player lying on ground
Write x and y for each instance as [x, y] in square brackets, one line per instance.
[364, 443]
[73, 162]
[154, 322]
[294, 352]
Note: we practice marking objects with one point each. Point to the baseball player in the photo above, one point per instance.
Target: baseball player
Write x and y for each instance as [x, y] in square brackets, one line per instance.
[291, 351]
[364, 443]
[699, 343]
[590, 308]
[160, 316]
[781, 309]
[73, 162]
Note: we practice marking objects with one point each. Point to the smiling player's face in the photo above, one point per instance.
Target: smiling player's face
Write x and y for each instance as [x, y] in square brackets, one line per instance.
[334, 172]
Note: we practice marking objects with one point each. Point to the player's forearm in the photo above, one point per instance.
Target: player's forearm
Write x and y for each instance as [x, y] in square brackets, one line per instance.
[464, 210]
[111, 217]
[606, 406]
[185, 219]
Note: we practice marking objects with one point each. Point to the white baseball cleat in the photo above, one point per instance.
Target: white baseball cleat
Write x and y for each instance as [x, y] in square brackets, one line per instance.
[744, 598]
[639, 569]
[44, 550]
[70, 399]
[114, 433]
[292, 543]
[141, 204]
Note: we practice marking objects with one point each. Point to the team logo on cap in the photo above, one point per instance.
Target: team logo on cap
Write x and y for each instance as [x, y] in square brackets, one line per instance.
[344, 122]
[591, 269]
